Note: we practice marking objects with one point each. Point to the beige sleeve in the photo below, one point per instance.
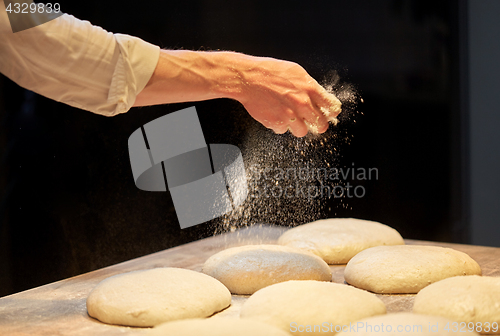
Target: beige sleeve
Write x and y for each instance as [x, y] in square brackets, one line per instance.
[76, 63]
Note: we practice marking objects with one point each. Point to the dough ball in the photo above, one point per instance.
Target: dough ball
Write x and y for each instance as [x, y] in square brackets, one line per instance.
[464, 299]
[246, 269]
[406, 269]
[216, 327]
[337, 240]
[308, 307]
[404, 324]
[148, 298]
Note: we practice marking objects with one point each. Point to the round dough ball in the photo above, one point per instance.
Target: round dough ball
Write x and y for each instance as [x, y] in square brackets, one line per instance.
[148, 298]
[463, 299]
[299, 306]
[404, 324]
[246, 269]
[337, 240]
[406, 269]
[216, 327]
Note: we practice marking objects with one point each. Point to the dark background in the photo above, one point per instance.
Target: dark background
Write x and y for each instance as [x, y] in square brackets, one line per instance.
[68, 201]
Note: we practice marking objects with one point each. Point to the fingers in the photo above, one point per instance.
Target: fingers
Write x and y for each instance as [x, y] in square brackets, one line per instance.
[306, 115]
[297, 127]
[315, 106]
[323, 108]
[312, 116]
[329, 105]
[295, 124]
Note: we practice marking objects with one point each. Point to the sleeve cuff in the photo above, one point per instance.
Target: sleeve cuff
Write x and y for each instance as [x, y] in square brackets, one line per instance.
[135, 66]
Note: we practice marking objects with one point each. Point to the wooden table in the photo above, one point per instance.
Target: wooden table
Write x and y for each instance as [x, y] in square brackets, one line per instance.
[59, 308]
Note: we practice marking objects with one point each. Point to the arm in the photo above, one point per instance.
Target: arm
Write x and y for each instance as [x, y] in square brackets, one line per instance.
[71, 61]
[278, 94]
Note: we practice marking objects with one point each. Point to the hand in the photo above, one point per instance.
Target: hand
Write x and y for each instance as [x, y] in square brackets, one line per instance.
[282, 96]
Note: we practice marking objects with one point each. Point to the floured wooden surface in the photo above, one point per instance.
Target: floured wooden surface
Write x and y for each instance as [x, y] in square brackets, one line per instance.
[59, 308]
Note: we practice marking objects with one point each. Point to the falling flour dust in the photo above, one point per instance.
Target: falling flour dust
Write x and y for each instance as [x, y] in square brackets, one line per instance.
[287, 176]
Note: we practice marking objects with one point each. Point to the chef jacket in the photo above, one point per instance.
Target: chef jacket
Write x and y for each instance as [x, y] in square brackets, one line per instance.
[74, 62]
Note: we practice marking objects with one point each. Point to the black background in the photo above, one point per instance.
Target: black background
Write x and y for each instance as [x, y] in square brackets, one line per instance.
[68, 201]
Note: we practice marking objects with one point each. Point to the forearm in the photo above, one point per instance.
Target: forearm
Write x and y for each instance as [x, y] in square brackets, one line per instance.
[184, 76]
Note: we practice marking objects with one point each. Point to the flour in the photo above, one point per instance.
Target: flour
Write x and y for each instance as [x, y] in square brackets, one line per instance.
[293, 198]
